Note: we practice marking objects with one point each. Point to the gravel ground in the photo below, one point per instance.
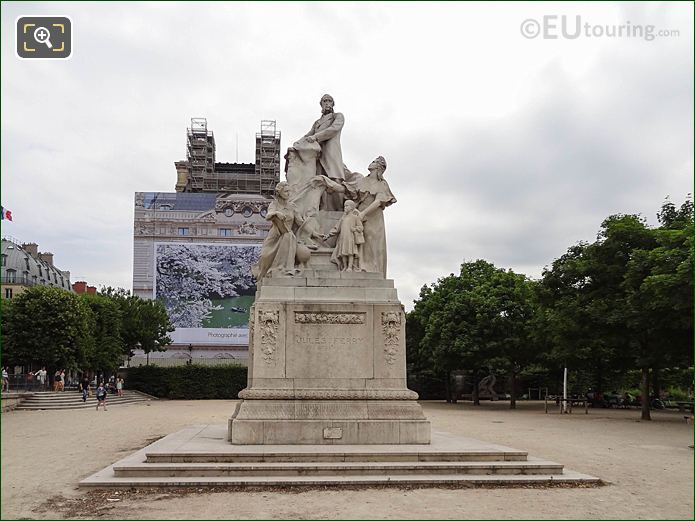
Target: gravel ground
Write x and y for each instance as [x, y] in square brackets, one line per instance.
[648, 467]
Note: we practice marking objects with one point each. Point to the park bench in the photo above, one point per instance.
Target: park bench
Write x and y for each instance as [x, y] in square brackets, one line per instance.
[685, 406]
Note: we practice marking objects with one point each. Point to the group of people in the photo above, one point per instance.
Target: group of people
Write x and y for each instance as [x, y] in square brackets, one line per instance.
[59, 380]
[114, 386]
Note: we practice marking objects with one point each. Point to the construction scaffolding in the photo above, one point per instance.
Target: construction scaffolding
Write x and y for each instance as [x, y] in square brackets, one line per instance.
[200, 172]
[268, 156]
[200, 153]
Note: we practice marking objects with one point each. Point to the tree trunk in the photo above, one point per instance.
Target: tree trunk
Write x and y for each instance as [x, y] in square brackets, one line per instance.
[476, 394]
[447, 386]
[656, 382]
[645, 394]
[512, 391]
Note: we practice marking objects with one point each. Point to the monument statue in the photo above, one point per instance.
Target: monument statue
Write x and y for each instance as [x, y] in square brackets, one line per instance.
[326, 330]
[373, 194]
[326, 132]
[486, 387]
[280, 245]
[350, 232]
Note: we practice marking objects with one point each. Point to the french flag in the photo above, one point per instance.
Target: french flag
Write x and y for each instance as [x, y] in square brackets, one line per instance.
[6, 214]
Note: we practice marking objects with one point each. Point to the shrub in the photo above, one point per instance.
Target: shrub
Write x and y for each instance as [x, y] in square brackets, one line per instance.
[677, 394]
[188, 382]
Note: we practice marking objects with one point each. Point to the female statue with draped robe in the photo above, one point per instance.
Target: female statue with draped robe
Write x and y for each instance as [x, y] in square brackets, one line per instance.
[280, 246]
[372, 194]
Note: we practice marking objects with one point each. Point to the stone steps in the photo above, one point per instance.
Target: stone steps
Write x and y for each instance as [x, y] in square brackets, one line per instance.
[342, 480]
[334, 457]
[61, 401]
[376, 468]
[201, 456]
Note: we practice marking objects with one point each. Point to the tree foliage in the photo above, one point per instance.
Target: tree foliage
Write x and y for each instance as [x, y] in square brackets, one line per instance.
[46, 326]
[145, 323]
[480, 318]
[607, 309]
[625, 301]
[49, 327]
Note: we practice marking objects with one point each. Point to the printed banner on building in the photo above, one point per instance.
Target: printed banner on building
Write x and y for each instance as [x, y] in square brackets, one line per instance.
[207, 289]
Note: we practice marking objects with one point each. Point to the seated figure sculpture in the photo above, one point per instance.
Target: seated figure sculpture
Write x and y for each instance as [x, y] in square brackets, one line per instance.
[280, 246]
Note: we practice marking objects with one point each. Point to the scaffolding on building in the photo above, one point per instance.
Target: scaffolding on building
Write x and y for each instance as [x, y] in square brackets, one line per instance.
[200, 153]
[268, 156]
[200, 172]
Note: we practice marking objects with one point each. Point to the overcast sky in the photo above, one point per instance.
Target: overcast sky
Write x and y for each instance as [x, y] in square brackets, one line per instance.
[499, 146]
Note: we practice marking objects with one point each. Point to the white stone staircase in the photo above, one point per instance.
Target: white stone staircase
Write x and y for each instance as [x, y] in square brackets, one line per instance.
[73, 400]
[201, 456]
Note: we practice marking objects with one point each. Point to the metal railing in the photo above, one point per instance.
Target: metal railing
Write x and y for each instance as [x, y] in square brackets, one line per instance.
[18, 280]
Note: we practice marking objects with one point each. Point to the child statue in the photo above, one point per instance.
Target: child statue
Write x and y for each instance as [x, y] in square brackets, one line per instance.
[350, 232]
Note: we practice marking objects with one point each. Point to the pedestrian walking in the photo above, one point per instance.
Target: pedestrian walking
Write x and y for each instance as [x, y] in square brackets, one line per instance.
[84, 387]
[119, 386]
[101, 396]
[41, 376]
[5, 379]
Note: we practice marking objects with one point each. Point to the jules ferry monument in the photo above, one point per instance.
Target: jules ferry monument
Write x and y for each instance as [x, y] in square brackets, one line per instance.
[327, 331]
[326, 401]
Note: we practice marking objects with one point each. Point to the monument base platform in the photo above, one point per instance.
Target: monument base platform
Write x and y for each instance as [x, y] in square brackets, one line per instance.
[327, 363]
[200, 456]
[331, 422]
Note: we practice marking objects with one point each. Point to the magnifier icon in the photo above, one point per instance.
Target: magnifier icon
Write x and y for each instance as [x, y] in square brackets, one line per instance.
[43, 35]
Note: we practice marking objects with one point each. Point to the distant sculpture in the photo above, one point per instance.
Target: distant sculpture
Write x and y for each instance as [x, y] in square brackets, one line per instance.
[280, 246]
[486, 387]
[350, 231]
[247, 229]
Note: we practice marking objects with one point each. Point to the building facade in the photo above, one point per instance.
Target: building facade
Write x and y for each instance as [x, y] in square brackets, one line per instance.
[23, 266]
[193, 248]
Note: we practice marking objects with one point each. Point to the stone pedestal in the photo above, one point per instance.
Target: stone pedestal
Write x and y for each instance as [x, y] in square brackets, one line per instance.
[327, 363]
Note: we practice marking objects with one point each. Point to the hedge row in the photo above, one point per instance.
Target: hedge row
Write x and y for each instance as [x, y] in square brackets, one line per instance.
[188, 382]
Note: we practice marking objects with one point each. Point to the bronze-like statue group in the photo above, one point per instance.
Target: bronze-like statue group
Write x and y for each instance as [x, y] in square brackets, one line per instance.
[321, 193]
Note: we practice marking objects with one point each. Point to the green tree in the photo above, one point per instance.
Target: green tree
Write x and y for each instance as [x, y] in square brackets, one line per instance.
[658, 294]
[624, 301]
[47, 326]
[479, 318]
[145, 323]
[107, 349]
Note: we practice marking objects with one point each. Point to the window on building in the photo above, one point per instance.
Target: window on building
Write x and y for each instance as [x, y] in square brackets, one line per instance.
[4, 260]
[40, 272]
[26, 262]
[34, 279]
[11, 276]
[225, 232]
[8, 292]
[247, 211]
[184, 231]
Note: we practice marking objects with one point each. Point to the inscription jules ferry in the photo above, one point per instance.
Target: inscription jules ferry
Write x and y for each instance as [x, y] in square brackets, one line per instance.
[337, 318]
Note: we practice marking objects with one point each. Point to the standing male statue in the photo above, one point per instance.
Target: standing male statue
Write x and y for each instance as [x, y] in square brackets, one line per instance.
[326, 132]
